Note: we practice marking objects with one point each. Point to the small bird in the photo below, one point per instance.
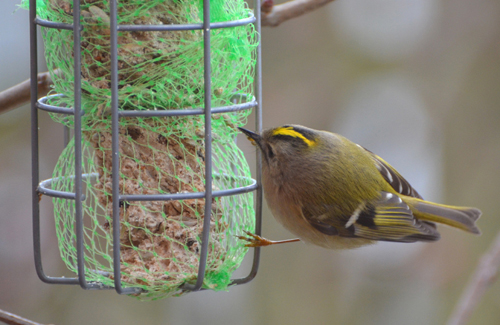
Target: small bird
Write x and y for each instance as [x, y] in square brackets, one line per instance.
[333, 193]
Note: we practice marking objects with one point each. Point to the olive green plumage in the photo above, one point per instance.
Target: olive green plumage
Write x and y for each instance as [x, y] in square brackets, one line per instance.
[334, 193]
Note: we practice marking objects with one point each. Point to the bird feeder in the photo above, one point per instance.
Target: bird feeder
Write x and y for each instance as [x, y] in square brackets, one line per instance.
[151, 191]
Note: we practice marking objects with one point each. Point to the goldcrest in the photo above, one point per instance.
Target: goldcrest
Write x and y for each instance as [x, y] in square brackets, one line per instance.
[333, 193]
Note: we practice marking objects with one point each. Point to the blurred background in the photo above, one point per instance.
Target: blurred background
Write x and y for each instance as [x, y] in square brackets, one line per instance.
[416, 81]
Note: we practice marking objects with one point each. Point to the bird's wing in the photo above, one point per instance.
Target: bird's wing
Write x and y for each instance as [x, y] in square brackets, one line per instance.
[389, 219]
[386, 219]
[391, 175]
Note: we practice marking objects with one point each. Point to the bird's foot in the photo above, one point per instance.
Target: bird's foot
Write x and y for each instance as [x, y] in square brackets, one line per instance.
[258, 241]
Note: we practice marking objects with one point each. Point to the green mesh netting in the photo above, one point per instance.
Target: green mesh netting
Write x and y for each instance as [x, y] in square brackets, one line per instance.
[157, 70]
[160, 240]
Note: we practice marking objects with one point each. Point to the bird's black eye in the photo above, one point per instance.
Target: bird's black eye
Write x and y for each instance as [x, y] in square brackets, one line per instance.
[270, 152]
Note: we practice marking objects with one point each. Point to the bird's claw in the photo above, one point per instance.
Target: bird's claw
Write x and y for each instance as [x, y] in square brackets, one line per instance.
[255, 240]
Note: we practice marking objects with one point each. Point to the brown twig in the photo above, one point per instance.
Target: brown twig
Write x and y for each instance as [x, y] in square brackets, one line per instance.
[289, 10]
[13, 319]
[19, 94]
[485, 274]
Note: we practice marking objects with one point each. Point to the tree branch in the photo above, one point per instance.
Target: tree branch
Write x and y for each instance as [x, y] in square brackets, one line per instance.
[20, 94]
[485, 274]
[289, 10]
[13, 319]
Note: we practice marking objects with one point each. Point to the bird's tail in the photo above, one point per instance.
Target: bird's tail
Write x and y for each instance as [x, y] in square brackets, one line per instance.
[459, 217]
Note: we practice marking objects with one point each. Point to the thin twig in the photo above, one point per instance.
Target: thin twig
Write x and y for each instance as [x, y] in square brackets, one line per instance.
[485, 274]
[19, 94]
[289, 10]
[13, 319]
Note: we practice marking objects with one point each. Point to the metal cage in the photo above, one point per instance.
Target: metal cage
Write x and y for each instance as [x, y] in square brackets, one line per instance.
[39, 188]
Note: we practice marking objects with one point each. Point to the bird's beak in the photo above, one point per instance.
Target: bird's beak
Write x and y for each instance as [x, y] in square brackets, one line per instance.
[254, 138]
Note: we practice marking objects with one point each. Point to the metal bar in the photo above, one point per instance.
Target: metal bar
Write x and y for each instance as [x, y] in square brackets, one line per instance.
[115, 149]
[181, 112]
[34, 144]
[158, 28]
[152, 197]
[258, 127]
[58, 194]
[43, 187]
[98, 286]
[77, 93]
[52, 24]
[208, 149]
[188, 196]
[35, 176]
[154, 28]
[41, 104]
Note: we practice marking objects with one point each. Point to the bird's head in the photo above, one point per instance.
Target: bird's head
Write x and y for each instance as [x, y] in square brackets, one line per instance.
[284, 144]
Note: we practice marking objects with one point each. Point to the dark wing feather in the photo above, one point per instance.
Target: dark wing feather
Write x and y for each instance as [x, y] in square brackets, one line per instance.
[390, 219]
[391, 175]
[386, 219]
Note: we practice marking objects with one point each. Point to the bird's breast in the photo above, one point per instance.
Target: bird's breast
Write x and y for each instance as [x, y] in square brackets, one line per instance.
[287, 210]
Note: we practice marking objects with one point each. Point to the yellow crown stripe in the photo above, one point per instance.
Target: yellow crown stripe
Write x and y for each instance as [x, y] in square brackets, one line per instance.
[291, 132]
